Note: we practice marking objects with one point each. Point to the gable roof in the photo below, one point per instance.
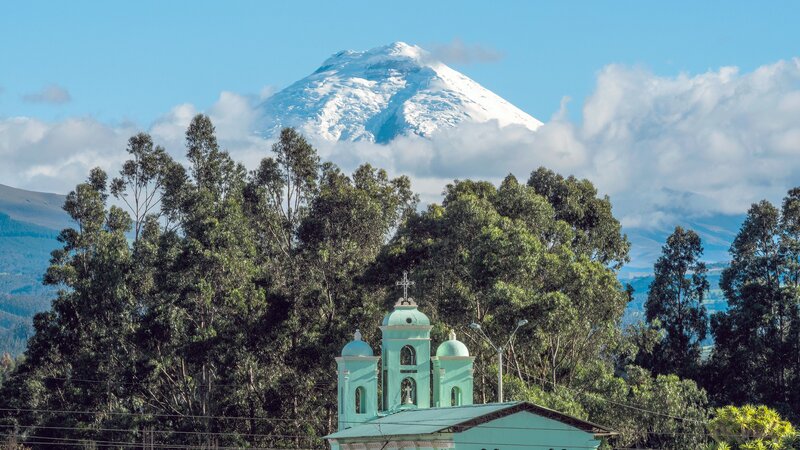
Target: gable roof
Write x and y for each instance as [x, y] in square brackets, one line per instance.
[456, 419]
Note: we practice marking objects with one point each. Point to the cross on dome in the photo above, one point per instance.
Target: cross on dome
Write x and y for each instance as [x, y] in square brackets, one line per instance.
[405, 282]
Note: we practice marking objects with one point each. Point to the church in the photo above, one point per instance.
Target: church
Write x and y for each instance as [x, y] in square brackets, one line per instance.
[426, 401]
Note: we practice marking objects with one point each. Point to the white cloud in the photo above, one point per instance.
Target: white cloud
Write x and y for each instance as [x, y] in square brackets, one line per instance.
[458, 52]
[52, 94]
[55, 156]
[710, 143]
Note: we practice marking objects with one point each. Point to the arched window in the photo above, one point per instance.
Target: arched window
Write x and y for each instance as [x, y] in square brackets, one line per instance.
[360, 400]
[455, 396]
[407, 356]
[408, 391]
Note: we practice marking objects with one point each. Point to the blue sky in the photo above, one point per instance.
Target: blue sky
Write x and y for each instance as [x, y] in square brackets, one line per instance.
[135, 60]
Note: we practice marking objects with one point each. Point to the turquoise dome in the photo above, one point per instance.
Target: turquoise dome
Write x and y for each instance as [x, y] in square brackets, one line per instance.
[357, 347]
[452, 347]
[404, 315]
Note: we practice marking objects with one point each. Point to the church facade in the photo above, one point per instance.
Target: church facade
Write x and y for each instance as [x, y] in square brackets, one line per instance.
[425, 401]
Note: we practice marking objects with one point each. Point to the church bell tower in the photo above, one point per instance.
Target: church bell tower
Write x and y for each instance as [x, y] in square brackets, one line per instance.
[406, 354]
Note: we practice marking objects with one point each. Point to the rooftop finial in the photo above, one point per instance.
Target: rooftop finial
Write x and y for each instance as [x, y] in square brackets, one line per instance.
[452, 336]
[405, 282]
[357, 335]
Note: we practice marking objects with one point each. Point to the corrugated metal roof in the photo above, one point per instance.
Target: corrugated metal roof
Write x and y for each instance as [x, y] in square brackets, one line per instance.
[458, 418]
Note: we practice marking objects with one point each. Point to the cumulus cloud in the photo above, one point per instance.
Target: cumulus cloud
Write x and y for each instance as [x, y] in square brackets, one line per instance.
[54, 156]
[52, 94]
[709, 143]
[459, 52]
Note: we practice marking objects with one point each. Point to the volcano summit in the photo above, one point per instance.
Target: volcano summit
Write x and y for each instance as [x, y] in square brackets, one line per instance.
[384, 93]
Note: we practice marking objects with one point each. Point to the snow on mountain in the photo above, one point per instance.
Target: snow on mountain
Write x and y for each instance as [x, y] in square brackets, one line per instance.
[383, 93]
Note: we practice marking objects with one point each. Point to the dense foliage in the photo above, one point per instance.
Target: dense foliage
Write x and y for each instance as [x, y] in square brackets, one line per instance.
[223, 304]
[499, 255]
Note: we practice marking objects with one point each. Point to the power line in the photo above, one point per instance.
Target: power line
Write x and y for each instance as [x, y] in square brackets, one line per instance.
[267, 419]
[49, 440]
[142, 383]
[129, 430]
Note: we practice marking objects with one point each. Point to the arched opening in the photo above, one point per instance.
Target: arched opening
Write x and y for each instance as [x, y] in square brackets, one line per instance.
[408, 389]
[359, 397]
[455, 396]
[408, 357]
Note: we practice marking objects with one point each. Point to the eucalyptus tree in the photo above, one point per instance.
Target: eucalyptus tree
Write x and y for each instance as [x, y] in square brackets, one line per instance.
[756, 357]
[675, 305]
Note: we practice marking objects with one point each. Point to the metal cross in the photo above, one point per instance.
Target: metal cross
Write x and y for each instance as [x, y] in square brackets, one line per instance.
[405, 283]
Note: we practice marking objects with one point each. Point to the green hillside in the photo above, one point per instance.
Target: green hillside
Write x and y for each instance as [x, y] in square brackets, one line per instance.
[24, 255]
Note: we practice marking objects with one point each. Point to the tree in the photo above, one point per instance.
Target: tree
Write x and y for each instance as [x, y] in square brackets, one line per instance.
[675, 305]
[88, 330]
[576, 202]
[318, 229]
[141, 180]
[662, 411]
[7, 364]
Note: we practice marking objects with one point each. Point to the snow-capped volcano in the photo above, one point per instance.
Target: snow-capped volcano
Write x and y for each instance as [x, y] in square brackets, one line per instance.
[383, 93]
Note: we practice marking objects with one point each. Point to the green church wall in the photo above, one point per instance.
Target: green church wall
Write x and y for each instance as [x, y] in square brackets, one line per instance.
[449, 373]
[357, 372]
[524, 430]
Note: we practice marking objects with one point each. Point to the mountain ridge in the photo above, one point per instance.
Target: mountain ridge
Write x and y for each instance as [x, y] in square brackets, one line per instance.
[39, 208]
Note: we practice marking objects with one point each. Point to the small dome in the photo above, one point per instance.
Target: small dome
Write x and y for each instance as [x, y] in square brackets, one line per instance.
[452, 347]
[357, 347]
[405, 315]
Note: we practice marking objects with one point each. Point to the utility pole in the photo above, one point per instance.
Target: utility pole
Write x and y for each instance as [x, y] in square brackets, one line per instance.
[499, 350]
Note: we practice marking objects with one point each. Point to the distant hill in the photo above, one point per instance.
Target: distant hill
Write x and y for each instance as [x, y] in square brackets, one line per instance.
[29, 225]
[37, 208]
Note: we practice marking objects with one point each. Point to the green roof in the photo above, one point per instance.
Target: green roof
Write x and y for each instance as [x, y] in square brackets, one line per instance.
[452, 348]
[406, 316]
[357, 348]
[455, 418]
